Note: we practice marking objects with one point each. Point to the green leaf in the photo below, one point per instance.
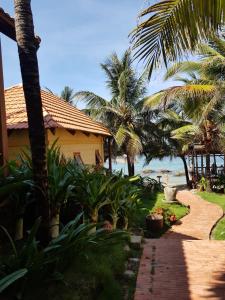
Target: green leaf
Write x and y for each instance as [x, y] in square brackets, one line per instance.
[11, 278]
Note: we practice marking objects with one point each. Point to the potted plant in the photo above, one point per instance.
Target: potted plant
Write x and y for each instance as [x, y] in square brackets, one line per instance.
[202, 184]
[154, 220]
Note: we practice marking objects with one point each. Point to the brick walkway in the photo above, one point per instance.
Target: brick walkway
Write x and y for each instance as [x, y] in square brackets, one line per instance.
[184, 264]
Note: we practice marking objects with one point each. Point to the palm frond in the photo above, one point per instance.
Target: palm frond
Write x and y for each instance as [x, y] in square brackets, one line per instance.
[175, 26]
[185, 133]
[180, 93]
[155, 100]
[92, 100]
[134, 145]
[182, 67]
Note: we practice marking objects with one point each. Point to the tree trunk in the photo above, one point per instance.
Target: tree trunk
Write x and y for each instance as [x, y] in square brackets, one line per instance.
[94, 219]
[186, 170]
[126, 222]
[19, 229]
[27, 47]
[114, 221]
[130, 165]
[54, 225]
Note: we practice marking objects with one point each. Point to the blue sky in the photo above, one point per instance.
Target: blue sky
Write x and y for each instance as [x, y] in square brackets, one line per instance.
[77, 35]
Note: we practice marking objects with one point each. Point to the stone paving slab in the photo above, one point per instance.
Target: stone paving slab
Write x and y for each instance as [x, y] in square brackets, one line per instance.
[184, 264]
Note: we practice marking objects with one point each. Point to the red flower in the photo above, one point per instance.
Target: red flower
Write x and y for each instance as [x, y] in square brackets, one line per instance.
[172, 218]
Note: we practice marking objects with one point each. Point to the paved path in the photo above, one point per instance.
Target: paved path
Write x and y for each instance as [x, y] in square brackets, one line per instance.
[184, 264]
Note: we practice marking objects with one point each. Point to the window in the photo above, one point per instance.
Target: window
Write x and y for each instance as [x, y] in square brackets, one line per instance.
[98, 158]
[78, 158]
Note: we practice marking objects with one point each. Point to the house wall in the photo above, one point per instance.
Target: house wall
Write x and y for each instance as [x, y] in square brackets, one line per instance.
[17, 141]
[79, 142]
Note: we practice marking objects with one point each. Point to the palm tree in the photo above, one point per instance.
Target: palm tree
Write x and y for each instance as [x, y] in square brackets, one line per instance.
[199, 100]
[169, 27]
[27, 48]
[68, 95]
[123, 113]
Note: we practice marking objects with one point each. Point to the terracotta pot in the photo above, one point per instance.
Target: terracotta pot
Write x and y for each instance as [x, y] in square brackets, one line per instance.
[154, 222]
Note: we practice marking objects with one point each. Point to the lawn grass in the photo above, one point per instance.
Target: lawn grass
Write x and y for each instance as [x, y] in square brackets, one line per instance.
[219, 199]
[152, 201]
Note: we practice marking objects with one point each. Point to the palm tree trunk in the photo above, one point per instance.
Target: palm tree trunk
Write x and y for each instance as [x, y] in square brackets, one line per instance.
[114, 221]
[130, 165]
[186, 170]
[27, 48]
[19, 229]
[126, 222]
[54, 225]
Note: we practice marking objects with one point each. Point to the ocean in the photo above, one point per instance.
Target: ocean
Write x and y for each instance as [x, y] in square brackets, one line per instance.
[174, 166]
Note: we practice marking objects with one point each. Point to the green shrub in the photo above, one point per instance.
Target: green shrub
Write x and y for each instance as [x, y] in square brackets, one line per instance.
[46, 266]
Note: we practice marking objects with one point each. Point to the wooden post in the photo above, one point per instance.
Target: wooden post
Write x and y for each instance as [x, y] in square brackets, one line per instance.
[110, 153]
[196, 157]
[224, 163]
[3, 126]
[192, 167]
[202, 167]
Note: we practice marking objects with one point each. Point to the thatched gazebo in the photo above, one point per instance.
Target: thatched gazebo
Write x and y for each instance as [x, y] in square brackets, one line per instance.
[205, 163]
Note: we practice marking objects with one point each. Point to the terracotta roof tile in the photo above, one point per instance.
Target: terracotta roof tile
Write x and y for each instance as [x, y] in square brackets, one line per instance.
[57, 113]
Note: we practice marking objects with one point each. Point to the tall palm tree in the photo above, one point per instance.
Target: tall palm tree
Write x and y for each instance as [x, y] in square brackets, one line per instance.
[68, 95]
[170, 27]
[27, 48]
[122, 114]
[200, 99]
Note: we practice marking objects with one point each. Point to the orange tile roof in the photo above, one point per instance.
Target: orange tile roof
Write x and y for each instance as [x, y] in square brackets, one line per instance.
[57, 113]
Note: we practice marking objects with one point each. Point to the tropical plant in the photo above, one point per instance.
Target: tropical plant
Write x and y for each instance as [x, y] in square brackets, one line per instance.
[91, 189]
[170, 27]
[123, 196]
[68, 95]
[153, 185]
[122, 114]
[16, 189]
[61, 185]
[27, 47]
[197, 106]
[203, 184]
[30, 269]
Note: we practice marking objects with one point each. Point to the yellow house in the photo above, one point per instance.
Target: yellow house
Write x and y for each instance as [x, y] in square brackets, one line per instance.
[78, 135]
